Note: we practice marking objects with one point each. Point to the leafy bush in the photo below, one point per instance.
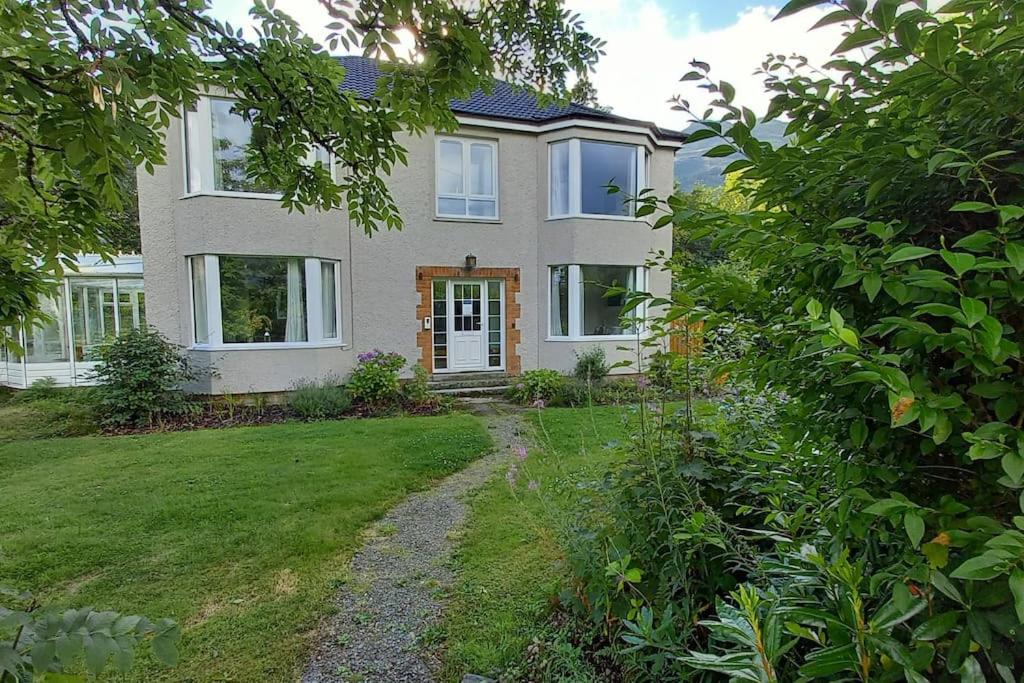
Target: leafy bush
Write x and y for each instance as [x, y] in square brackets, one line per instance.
[591, 365]
[537, 385]
[417, 390]
[319, 400]
[374, 382]
[36, 639]
[885, 535]
[140, 378]
[41, 389]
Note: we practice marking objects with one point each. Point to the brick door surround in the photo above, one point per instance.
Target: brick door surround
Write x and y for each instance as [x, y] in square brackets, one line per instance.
[425, 276]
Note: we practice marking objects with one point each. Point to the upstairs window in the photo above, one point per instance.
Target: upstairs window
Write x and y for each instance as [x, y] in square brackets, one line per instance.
[467, 178]
[216, 139]
[581, 171]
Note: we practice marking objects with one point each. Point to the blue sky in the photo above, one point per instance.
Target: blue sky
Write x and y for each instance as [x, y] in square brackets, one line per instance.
[650, 43]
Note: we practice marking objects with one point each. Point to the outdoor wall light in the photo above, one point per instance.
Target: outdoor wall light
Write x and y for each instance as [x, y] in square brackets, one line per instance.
[470, 262]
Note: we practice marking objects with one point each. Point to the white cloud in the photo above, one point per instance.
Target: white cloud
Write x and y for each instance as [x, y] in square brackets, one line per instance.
[647, 52]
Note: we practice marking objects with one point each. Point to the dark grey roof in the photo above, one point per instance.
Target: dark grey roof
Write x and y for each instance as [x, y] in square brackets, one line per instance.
[504, 101]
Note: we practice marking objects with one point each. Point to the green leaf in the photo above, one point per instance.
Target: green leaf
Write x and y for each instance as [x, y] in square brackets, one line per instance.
[914, 526]
[974, 310]
[1015, 255]
[849, 337]
[858, 433]
[1017, 590]
[909, 253]
[946, 587]
[872, 284]
[970, 671]
[937, 554]
[848, 222]
[960, 262]
[1013, 465]
[836, 319]
[814, 309]
[981, 568]
[794, 6]
[976, 207]
[859, 38]
[885, 506]
[937, 626]
[723, 150]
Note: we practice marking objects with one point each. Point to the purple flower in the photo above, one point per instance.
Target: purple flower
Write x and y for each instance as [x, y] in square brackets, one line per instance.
[642, 382]
[533, 485]
[521, 452]
[539, 403]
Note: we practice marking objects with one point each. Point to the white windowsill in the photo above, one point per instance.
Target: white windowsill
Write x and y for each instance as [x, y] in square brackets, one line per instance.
[235, 195]
[438, 218]
[599, 337]
[597, 217]
[270, 346]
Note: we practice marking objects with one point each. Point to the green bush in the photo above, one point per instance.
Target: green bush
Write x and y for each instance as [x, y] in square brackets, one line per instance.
[319, 400]
[877, 534]
[140, 378]
[41, 389]
[374, 383]
[537, 385]
[417, 390]
[591, 365]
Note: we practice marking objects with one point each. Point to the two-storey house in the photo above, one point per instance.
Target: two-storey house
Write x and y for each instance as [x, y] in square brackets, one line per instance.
[511, 240]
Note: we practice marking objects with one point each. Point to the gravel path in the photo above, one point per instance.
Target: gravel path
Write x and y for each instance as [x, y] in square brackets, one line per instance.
[392, 596]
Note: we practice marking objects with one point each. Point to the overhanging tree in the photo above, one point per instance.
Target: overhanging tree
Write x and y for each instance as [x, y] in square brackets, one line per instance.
[88, 88]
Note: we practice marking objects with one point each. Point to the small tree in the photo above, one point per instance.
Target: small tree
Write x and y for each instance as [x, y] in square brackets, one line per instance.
[141, 376]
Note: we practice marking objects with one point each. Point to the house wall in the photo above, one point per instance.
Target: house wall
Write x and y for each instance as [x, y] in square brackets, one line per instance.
[379, 293]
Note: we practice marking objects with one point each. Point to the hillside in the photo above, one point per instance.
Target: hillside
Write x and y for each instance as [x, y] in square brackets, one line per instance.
[693, 169]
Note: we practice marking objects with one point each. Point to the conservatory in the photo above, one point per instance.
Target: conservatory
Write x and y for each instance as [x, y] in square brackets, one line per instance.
[92, 305]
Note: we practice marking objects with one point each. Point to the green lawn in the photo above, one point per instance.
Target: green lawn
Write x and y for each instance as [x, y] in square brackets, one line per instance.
[510, 562]
[239, 534]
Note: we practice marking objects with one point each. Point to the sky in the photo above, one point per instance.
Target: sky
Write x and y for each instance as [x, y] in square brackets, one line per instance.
[650, 44]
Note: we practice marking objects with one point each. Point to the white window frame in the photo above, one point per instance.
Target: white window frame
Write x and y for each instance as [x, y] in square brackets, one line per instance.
[314, 320]
[466, 143]
[575, 294]
[197, 155]
[576, 180]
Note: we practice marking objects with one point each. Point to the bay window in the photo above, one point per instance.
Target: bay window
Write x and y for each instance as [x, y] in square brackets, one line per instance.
[585, 301]
[466, 178]
[581, 171]
[216, 139]
[246, 301]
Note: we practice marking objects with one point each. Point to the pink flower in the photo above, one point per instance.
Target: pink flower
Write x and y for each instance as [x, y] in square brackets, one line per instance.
[533, 485]
[642, 382]
[521, 452]
[539, 403]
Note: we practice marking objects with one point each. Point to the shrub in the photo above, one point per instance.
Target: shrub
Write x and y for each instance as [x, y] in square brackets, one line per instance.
[29, 631]
[41, 389]
[591, 365]
[374, 382]
[886, 305]
[140, 378]
[319, 400]
[537, 385]
[417, 390]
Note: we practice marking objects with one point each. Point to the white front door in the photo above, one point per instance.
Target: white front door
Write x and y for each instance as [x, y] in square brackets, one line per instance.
[468, 330]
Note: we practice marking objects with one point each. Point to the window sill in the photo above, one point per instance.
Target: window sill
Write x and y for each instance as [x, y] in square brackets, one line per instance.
[466, 219]
[270, 346]
[599, 338]
[596, 217]
[234, 195]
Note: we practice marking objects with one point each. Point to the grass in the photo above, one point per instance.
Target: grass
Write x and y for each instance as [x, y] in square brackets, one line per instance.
[241, 535]
[510, 562]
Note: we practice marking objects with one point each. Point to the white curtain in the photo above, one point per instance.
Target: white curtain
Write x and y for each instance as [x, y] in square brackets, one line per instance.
[295, 324]
[202, 326]
[328, 300]
[557, 275]
[559, 181]
[481, 163]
